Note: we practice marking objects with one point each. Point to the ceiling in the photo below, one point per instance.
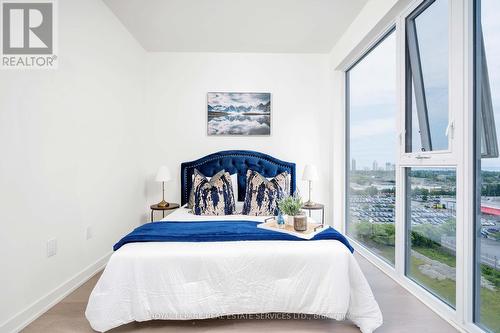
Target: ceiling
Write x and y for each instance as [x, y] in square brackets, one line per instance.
[270, 26]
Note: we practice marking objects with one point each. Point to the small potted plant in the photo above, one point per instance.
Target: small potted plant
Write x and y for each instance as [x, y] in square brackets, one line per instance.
[292, 207]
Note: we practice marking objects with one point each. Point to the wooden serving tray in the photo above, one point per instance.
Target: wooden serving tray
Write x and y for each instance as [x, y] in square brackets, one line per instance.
[313, 228]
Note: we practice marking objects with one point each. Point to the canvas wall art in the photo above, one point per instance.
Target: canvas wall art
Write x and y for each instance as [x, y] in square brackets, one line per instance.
[234, 113]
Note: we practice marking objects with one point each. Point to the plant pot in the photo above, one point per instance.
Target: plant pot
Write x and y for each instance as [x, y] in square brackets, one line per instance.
[289, 220]
[300, 222]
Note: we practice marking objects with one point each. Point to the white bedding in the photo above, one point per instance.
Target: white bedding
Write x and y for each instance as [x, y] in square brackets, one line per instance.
[181, 281]
[184, 214]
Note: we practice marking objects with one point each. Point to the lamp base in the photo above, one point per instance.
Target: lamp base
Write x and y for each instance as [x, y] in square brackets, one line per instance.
[309, 203]
[163, 204]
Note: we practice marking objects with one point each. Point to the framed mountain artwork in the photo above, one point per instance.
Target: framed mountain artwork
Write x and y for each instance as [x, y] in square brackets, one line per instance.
[238, 114]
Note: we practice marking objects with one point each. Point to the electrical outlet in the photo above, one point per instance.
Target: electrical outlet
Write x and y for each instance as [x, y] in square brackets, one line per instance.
[88, 232]
[51, 247]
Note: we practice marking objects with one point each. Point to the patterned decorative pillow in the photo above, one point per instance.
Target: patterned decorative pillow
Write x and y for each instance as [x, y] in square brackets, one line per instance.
[214, 196]
[262, 195]
[234, 180]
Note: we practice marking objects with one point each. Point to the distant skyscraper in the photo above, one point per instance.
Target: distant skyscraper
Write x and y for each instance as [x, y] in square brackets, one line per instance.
[353, 165]
[388, 166]
[375, 166]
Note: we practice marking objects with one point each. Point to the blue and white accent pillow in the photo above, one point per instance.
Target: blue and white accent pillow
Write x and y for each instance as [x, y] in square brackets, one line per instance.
[214, 196]
[262, 195]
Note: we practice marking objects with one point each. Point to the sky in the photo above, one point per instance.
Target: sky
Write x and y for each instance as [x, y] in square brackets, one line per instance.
[373, 108]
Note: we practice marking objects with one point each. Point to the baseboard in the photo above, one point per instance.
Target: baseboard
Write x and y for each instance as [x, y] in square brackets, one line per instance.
[42, 305]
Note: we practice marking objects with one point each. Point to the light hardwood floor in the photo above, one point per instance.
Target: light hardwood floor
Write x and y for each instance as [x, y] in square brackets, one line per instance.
[403, 313]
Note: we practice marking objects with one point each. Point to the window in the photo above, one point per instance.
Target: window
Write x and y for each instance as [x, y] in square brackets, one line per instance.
[430, 182]
[372, 142]
[487, 111]
[427, 123]
[431, 208]
[438, 244]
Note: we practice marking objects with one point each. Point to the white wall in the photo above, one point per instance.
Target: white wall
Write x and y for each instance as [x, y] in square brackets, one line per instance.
[71, 155]
[177, 89]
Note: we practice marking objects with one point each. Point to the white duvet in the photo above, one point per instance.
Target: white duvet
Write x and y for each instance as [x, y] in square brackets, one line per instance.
[181, 281]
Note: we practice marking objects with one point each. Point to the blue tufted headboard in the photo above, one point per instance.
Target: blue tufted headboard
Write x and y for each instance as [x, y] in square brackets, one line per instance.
[234, 161]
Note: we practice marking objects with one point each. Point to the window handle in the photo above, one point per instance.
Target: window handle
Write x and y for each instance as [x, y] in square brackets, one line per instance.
[401, 135]
[420, 157]
[450, 129]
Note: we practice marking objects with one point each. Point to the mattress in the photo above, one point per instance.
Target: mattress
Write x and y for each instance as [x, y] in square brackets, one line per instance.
[185, 281]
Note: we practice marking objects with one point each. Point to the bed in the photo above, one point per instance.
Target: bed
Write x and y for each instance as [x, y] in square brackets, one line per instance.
[198, 280]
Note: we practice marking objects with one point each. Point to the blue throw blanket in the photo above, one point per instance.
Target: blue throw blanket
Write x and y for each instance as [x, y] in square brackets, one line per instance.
[224, 231]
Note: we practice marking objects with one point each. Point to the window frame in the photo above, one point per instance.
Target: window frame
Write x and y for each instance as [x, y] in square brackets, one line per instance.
[445, 157]
[459, 156]
[478, 64]
[389, 30]
[415, 76]
[427, 159]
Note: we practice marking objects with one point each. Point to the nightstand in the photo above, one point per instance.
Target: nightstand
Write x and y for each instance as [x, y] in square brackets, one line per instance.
[316, 206]
[171, 206]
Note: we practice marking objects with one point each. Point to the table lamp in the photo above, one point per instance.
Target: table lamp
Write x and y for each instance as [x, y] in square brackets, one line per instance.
[310, 174]
[163, 176]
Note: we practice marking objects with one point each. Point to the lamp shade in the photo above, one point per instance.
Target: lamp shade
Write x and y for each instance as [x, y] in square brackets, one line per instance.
[310, 173]
[163, 174]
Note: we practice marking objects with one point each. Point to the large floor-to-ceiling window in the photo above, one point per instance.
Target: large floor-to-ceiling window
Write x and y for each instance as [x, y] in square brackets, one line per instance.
[423, 173]
[430, 200]
[372, 137]
[487, 116]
